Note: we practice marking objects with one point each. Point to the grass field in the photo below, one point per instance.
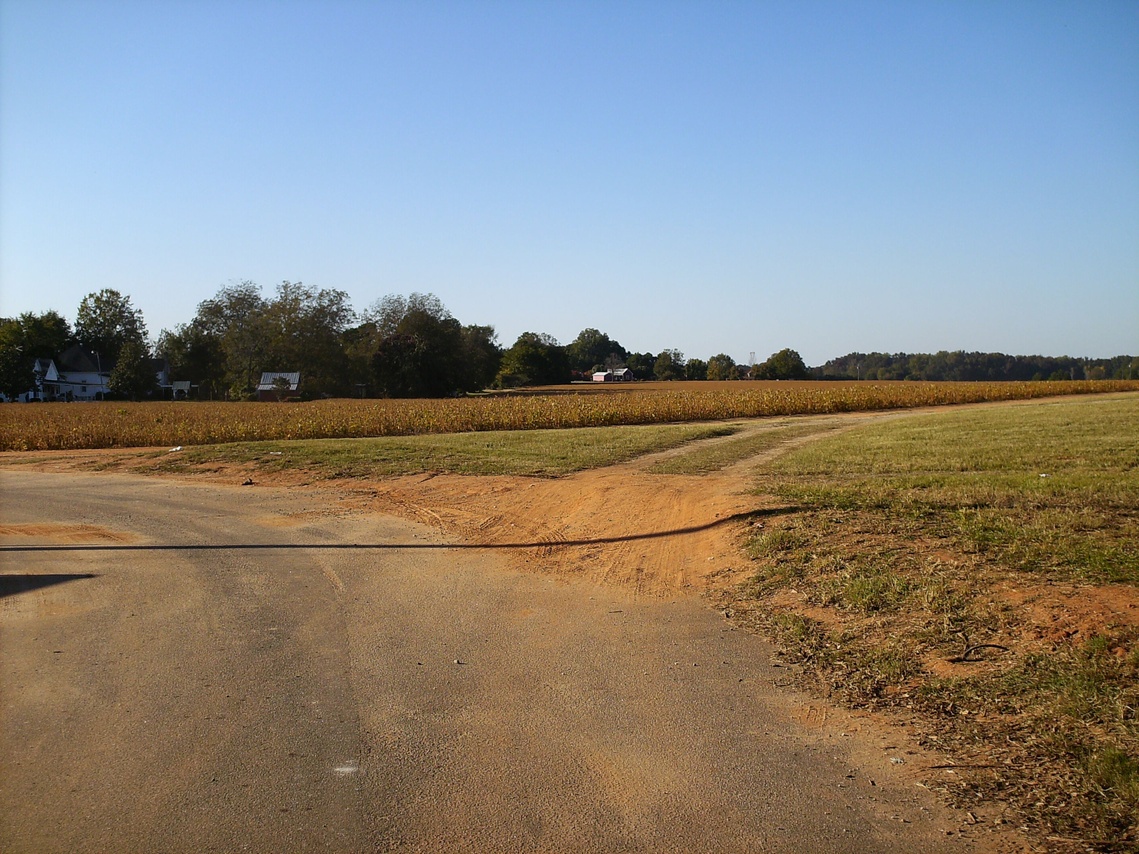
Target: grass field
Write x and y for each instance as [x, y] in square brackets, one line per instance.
[62, 426]
[908, 576]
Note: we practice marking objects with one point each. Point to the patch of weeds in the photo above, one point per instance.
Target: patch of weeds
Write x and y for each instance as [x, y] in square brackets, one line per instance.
[772, 576]
[875, 671]
[127, 459]
[797, 629]
[1069, 543]
[861, 673]
[802, 639]
[864, 587]
[1115, 774]
[776, 541]
[1066, 720]
[936, 594]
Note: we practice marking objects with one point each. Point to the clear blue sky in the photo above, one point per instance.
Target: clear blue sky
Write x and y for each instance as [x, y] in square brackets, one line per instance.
[707, 176]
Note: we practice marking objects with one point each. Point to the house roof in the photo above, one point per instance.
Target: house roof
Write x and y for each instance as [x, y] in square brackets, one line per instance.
[80, 360]
[268, 378]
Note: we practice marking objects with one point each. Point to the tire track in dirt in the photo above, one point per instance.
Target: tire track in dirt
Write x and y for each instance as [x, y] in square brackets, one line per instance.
[73, 533]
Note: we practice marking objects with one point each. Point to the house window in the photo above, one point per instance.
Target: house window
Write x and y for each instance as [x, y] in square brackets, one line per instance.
[83, 389]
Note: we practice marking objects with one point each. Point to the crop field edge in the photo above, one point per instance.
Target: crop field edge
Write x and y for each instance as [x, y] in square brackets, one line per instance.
[80, 426]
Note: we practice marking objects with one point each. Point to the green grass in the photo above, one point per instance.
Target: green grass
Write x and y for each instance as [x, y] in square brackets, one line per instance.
[1051, 488]
[904, 532]
[542, 453]
[715, 456]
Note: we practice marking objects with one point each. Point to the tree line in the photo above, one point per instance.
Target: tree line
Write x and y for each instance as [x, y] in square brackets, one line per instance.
[960, 366]
[413, 347]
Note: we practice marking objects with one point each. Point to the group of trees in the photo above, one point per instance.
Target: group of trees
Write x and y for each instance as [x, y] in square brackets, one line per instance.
[239, 333]
[24, 339]
[595, 351]
[413, 347]
[400, 347]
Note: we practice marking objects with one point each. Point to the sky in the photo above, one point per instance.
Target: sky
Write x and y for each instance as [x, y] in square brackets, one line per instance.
[708, 176]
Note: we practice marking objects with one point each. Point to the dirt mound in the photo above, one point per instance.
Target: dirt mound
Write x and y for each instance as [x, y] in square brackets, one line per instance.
[655, 534]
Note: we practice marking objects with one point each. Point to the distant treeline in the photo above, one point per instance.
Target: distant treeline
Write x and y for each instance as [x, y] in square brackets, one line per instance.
[959, 366]
[413, 347]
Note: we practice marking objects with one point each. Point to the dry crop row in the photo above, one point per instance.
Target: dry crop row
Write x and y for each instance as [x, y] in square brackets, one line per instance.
[73, 426]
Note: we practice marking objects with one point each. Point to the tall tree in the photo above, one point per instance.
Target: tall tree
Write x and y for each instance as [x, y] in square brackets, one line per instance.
[23, 340]
[303, 327]
[358, 343]
[422, 351]
[641, 364]
[16, 374]
[133, 376]
[722, 367]
[787, 364]
[592, 350]
[44, 335]
[534, 359]
[669, 365]
[235, 319]
[481, 357]
[696, 369]
[106, 321]
[194, 355]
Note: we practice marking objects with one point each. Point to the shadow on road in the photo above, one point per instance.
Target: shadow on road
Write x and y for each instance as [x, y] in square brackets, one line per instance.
[10, 585]
[170, 547]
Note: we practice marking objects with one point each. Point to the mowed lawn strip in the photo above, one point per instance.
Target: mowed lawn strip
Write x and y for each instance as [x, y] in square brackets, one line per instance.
[1050, 488]
[893, 585]
[542, 453]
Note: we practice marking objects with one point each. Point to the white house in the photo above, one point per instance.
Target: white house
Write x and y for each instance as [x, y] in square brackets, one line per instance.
[80, 374]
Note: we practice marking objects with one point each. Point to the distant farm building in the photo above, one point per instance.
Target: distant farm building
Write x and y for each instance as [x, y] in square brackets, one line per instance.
[279, 385]
[618, 375]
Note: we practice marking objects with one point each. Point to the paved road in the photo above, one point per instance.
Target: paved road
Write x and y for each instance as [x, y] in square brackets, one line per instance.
[238, 670]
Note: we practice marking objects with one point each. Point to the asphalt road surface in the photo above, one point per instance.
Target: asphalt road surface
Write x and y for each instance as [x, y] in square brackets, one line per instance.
[200, 668]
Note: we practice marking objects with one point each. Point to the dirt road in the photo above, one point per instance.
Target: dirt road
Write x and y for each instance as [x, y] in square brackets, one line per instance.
[203, 668]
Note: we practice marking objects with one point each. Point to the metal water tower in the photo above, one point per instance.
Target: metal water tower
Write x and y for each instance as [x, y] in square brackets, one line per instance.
[751, 357]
